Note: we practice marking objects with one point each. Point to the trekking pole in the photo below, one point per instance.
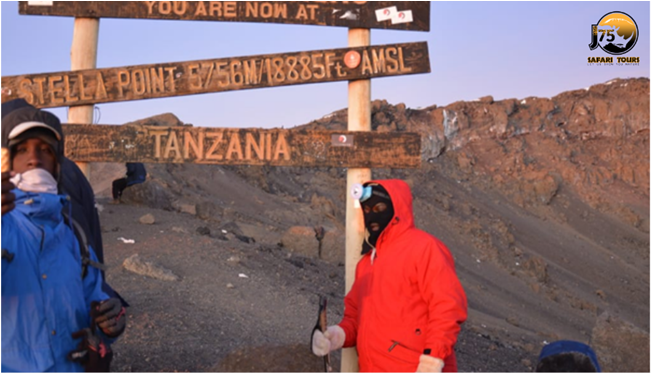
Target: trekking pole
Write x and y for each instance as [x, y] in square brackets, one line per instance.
[321, 323]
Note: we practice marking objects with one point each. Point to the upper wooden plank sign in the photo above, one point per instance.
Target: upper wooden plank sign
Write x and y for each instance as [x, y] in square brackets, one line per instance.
[400, 15]
[83, 87]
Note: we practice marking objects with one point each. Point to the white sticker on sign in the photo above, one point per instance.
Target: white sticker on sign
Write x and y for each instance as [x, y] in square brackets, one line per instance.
[40, 3]
[385, 14]
[403, 16]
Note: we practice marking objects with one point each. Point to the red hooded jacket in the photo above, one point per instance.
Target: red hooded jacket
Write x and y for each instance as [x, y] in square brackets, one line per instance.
[406, 299]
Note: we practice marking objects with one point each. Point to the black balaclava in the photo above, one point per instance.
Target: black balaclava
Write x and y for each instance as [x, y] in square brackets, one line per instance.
[378, 195]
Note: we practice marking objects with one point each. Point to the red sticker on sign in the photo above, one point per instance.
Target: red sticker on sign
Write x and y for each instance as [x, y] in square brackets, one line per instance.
[352, 59]
[342, 140]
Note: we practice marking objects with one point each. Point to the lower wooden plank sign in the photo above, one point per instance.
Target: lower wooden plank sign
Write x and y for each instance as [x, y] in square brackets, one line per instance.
[83, 87]
[274, 147]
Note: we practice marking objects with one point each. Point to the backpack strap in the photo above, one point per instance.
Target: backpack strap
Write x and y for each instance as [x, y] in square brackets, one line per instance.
[83, 248]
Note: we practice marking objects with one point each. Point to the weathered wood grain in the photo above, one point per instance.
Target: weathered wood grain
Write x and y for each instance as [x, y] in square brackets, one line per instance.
[92, 86]
[274, 147]
[355, 14]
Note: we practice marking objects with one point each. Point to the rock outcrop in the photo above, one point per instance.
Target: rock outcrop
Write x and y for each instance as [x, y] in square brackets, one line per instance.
[544, 203]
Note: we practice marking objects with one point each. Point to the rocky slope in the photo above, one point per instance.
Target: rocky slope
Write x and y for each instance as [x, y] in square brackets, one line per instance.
[543, 202]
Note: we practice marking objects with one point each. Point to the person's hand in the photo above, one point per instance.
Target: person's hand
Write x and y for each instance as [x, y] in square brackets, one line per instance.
[91, 352]
[324, 343]
[110, 316]
[8, 197]
[429, 364]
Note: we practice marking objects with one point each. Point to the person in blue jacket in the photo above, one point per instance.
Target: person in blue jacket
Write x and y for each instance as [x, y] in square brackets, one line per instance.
[74, 184]
[54, 318]
[136, 173]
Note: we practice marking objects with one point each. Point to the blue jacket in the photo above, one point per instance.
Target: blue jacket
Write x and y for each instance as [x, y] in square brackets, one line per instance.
[136, 173]
[44, 298]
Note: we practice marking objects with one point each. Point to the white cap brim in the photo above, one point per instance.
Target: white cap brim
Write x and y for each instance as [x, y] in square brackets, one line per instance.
[30, 125]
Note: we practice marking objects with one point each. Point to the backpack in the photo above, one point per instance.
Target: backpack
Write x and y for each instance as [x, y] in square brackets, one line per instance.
[86, 259]
[83, 247]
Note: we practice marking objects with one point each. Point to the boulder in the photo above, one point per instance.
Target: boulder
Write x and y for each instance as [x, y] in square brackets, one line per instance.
[301, 240]
[333, 247]
[185, 207]
[142, 267]
[165, 119]
[207, 210]
[487, 99]
[537, 268]
[147, 219]
[149, 193]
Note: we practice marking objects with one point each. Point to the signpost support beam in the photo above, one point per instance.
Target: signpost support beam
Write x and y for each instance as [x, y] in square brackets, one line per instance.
[359, 120]
[83, 55]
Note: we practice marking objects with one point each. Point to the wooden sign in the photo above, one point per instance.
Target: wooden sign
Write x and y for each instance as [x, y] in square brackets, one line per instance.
[275, 147]
[81, 87]
[400, 15]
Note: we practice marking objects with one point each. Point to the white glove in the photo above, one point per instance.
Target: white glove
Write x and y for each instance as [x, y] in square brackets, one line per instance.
[429, 364]
[324, 343]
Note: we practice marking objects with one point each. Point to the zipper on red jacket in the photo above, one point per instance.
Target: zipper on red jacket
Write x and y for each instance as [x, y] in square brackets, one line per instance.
[396, 342]
[364, 333]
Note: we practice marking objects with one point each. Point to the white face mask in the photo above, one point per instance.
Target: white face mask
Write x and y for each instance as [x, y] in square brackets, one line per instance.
[35, 180]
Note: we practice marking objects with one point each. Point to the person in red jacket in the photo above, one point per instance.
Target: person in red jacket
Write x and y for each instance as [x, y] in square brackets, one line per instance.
[406, 306]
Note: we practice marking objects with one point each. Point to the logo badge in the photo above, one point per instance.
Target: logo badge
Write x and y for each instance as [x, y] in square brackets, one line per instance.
[616, 33]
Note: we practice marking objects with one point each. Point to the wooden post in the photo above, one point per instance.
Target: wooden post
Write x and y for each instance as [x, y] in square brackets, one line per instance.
[83, 55]
[359, 120]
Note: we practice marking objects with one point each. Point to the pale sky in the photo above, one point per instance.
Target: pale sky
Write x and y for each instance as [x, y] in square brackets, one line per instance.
[504, 49]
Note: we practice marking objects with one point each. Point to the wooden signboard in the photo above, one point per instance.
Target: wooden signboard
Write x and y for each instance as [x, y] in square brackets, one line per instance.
[400, 15]
[70, 88]
[275, 147]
